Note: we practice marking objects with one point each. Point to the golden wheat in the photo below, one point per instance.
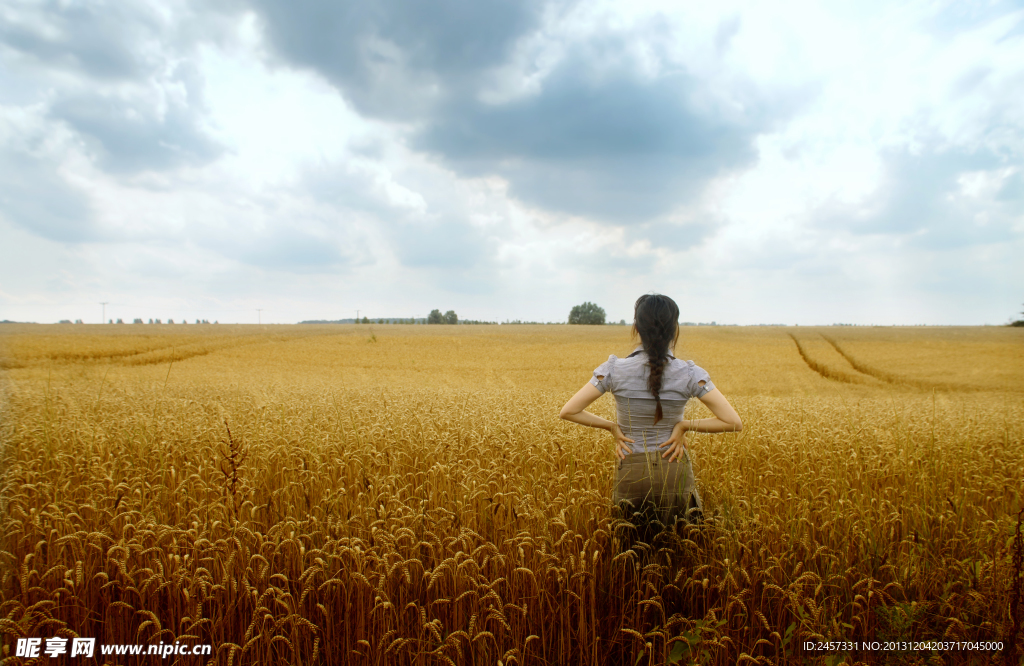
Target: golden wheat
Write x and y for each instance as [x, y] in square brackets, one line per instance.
[406, 495]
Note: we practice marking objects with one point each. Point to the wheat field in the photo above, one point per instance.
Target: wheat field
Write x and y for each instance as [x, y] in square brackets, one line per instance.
[407, 495]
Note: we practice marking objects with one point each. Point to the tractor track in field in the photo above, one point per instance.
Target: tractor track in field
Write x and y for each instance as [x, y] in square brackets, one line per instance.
[860, 367]
[827, 372]
[865, 374]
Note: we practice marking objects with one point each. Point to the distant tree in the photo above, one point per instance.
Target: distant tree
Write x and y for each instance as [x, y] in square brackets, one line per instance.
[1019, 322]
[366, 320]
[586, 313]
[450, 317]
[435, 317]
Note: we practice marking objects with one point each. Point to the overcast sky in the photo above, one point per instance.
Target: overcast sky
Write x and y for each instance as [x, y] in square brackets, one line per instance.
[787, 162]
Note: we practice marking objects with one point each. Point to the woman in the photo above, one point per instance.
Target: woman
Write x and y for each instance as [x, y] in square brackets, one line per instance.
[651, 388]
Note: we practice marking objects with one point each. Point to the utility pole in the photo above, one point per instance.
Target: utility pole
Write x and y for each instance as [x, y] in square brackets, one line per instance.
[357, 316]
[259, 316]
[104, 304]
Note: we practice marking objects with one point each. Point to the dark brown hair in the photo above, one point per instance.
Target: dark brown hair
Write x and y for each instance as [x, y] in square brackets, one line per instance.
[656, 321]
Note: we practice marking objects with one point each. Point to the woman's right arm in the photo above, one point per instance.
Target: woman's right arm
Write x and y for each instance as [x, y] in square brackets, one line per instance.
[574, 411]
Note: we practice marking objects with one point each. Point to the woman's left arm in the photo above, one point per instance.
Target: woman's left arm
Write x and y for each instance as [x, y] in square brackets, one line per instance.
[573, 411]
[726, 420]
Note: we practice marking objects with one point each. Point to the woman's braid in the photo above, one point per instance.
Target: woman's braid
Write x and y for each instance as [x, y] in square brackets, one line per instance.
[656, 320]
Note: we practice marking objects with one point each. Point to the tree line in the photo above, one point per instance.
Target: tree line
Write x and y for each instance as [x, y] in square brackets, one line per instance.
[586, 313]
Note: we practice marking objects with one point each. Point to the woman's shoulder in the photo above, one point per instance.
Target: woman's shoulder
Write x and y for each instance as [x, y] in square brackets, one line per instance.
[603, 374]
[688, 378]
[606, 367]
[683, 372]
[684, 366]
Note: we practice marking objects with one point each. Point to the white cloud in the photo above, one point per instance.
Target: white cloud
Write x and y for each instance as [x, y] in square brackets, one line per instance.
[186, 158]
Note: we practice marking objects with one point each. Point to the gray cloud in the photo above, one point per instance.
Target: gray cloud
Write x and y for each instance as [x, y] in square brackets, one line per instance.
[971, 80]
[130, 135]
[920, 198]
[35, 197]
[290, 249]
[606, 142]
[678, 236]
[348, 189]
[438, 236]
[725, 33]
[1012, 192]
[611, 145]
[449, 243]
[34, 193]
[622, 149]
[952, 18]
[115, 74]
[277, 232]
[393, 57]
[128, 40]
[102, 40]
[599, 139]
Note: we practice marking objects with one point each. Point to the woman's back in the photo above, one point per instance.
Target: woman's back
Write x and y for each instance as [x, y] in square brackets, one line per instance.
[635, 405]
[654, 480]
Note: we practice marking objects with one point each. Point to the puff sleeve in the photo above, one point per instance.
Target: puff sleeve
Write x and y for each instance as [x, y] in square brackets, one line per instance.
[603, 374]
[698, 375]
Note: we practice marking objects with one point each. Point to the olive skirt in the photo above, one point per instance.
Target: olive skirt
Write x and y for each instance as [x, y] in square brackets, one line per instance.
[654, 494]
